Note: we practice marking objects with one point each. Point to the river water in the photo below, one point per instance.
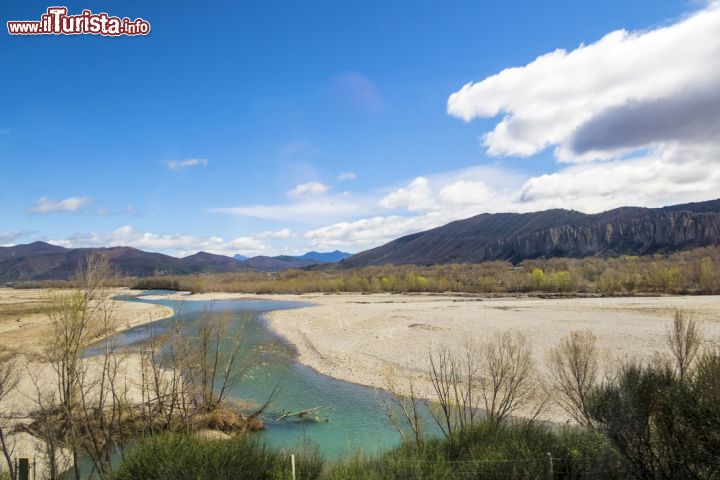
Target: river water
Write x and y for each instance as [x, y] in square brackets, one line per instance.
[356, 421]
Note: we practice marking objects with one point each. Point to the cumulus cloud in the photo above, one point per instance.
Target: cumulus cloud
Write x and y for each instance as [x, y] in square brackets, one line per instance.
[416, 197]
[48, 205]
[688, 117]
[465, 193]
[346, 176]
[672, 174]
[180, 165]
[308, 189]
[174, 244]
[625, 91]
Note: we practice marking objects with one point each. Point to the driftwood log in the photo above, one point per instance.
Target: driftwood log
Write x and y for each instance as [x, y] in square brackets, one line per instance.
[299, 414]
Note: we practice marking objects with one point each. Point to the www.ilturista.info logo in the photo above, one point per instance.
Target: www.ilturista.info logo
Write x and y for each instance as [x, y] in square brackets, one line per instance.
[57, 22]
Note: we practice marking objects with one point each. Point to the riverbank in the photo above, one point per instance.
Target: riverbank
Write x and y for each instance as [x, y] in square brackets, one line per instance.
[24, 322]
[24, 328]
[359, 338]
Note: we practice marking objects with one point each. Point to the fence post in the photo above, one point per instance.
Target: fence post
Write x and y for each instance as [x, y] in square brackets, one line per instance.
[23, 472]
[550, 466]
[292, 465]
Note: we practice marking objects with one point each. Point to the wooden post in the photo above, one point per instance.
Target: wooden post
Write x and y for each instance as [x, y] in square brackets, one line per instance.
[550, 466]
[23, 472]
[292, 465]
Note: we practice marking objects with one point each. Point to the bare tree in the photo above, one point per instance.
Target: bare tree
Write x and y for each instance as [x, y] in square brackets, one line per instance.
[508, 381]
[49, 426]
[445, 379]
[403, 410]
[212, 359]
[89, 394]
[684, 338]
[498, 375]
[186, 374]
[574, 367]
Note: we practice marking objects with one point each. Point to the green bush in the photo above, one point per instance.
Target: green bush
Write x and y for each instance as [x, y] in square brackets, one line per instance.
[664, 425]
[491, 450]
[181, 457]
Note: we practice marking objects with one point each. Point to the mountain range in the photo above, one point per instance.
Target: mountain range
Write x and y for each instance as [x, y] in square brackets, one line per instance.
[499, 236]
[283, 262]
[44, 261]
[553, 233]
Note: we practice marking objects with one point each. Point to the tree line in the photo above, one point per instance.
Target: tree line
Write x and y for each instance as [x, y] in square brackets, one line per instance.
[694, 271]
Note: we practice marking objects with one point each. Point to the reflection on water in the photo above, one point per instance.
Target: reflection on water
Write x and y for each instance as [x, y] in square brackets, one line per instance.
[356, 420]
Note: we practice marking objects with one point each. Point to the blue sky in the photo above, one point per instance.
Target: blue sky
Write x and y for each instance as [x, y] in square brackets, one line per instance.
[279, 127]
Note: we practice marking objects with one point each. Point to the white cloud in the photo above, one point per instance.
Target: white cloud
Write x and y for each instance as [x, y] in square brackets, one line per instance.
[47, 205]
[346, 176]
[669, 175]
[305, 211]
[283, 234]
[417, 196]
[425, 202]
[8, 238]
[308, 189]
[465, 192]
[367, 232]
[623, 92]
[179, 165]
[175, 244]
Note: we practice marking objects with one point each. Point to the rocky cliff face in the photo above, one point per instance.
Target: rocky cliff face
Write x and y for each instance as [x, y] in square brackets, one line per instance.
[670, 231]
[554, 233]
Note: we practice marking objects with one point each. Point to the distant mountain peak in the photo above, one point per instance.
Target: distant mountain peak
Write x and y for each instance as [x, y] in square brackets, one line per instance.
[285, 262]
[325, 257]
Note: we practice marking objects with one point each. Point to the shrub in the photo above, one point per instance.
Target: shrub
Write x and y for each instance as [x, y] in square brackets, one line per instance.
[665, 425]
[180, 457]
